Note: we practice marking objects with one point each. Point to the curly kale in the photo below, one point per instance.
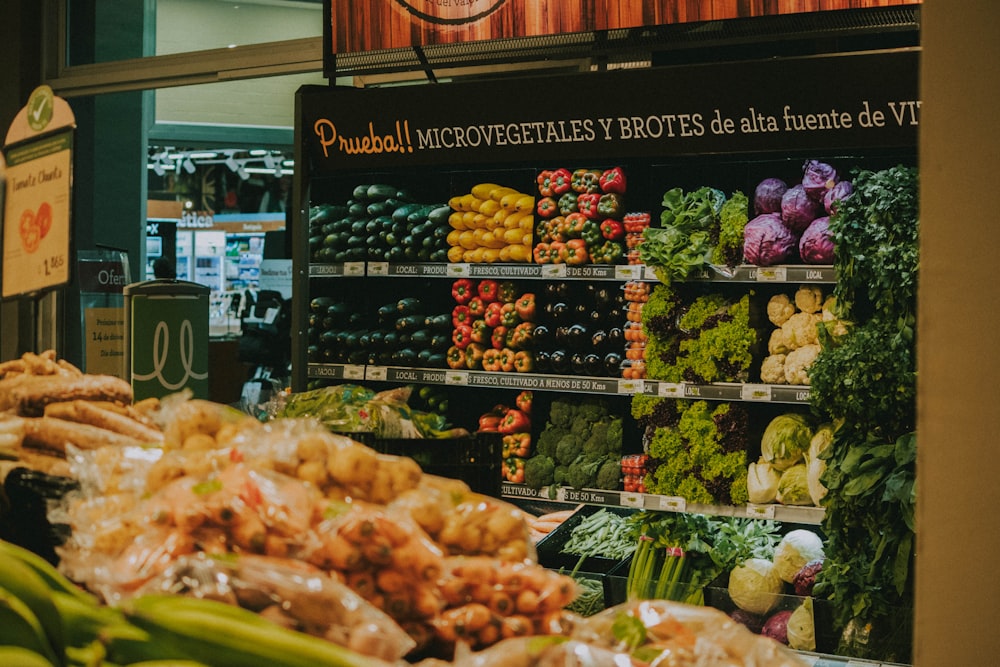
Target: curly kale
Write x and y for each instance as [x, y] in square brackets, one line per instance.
[569, 448]
[694, 459]
[539, 471]
[721, 352]
[732, 219]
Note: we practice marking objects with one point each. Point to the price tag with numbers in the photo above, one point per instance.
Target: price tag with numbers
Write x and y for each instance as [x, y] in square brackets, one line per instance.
[671, 390]
[628, 272]
[456, 377]
[672, 503]
[755, 392]
[760, 511]
[376, 373]
[553, 270]
[378, 268]
[354, 372]
[458, 270]
[772, 274]
[354, 269]
[630, 387]
[629, 499]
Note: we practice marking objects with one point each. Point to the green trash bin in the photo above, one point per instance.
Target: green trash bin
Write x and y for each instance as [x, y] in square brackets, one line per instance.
[166, 338]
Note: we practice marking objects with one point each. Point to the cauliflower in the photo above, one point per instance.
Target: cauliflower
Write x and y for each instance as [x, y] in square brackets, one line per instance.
[772, 369]
[829, 306]
[777, 344]
[798, 361]
[809, 299]
[779, 309]
[800, 329]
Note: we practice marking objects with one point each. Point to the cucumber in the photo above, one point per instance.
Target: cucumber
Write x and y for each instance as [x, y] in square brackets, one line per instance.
[403, 212]
[439, 214]
[381, 191]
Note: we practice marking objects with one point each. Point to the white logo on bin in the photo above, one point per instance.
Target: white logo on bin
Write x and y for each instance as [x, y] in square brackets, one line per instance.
[161, 337]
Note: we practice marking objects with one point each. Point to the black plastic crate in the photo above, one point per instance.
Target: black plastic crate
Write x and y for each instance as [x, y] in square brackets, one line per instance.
[549, 548]
[474, 460]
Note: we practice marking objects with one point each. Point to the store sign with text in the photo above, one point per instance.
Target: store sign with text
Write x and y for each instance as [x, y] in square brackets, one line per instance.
[37, 202]
[869, 103]
[375, 25]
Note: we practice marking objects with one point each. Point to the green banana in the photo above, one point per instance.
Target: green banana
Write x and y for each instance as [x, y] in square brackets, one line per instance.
[18, 656]
[84, 622]
[226, 635]
[20, 627]
[26, 584]
[48, 572]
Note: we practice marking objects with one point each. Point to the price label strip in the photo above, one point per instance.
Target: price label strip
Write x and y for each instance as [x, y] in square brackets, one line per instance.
[760, 511]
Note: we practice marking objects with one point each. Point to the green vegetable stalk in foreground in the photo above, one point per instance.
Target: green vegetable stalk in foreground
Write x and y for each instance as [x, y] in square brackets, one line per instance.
[864, 381]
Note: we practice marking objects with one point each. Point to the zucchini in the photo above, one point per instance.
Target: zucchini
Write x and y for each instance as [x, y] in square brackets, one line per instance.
[439, 214]
[408, 306]
[360, 193]
[403, 212]
[419, 216]
[381, 191]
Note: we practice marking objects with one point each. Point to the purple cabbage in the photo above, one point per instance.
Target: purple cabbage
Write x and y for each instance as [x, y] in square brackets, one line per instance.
[842, 190]
[816, 244]
[767, 196]
[817, 178]
[805, 578]
[753, 622]
[776, 626]
[798, 209]
[767, 241]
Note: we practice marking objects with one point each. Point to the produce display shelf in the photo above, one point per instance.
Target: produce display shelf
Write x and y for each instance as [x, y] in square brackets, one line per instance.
[791, 273]
[825, 660]
[721, 391]
[649, 501]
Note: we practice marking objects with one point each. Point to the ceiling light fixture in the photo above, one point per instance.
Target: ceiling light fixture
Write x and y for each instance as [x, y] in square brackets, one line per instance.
[188, 165]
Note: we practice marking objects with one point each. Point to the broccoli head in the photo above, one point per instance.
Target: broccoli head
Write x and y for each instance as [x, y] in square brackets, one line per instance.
[561, 413]
[592, 410]
[613, 435]
[568, 448]
[548, 439]
[596, 446]
[582, 473]
[559, 476]
[609, 474]
[538, 471]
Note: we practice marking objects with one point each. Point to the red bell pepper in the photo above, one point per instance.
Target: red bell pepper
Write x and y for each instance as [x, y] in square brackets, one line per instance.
[474, 356]
[455, 357]
[487, 290]
[613, 180]
[554, 182]
[546, 207]
[477, 307]
[586, 180]
[507, 362]
[524, 361]
[514, 421]
[462, 336]
[480, 331]
[460, 315]
[507, 291]
[488, 422]
[462, 290]
[587, 204]
[491, 362]
[524, 400]
[612, 230]
[492, 314]
[499, 337]
[576, 252]
[525, 307]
